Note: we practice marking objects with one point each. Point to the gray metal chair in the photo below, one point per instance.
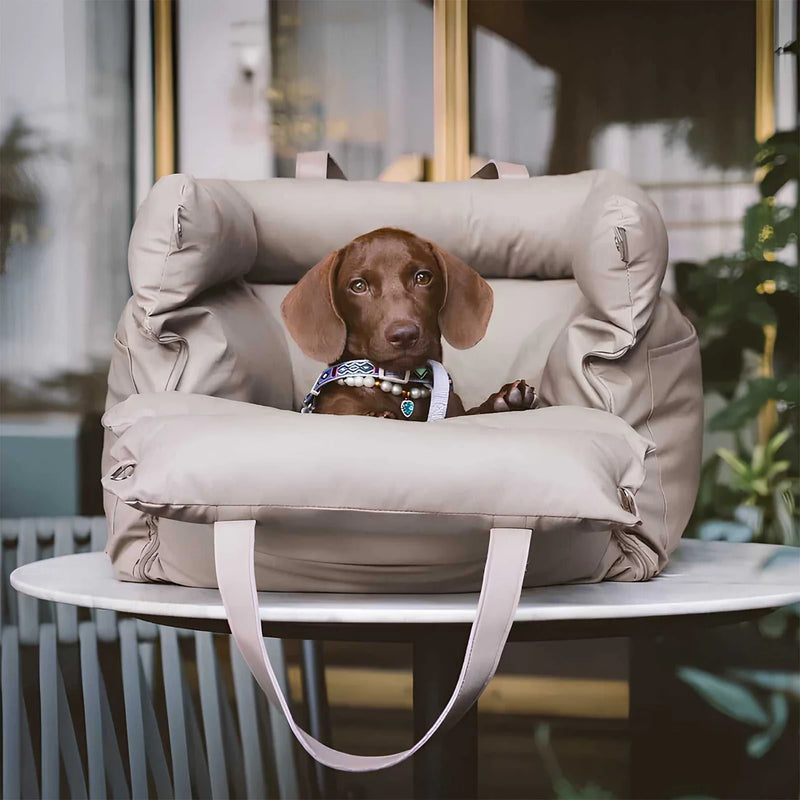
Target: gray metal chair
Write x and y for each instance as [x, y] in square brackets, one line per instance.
[96, 705]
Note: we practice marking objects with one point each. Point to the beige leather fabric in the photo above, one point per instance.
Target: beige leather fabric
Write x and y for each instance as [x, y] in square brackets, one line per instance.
[188, 236]
[577, 260]
[655, 386]
[201, 459]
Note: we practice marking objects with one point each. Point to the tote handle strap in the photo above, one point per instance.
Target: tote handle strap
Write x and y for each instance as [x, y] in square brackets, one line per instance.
[504, 170]
[317, 164]
[234, 543]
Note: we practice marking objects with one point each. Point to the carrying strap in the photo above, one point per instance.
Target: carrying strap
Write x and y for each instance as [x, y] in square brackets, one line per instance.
[506, 560]
[317, 164]
[503, 170]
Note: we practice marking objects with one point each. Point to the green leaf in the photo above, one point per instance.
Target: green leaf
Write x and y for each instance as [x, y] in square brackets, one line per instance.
[777, 467]
[757, 459]
[773, 680]
[779, 154]
[760, 743]
[777, 441]
[760, 312]
[774, 625]
[758, 391]
[780, 173]
[729, 698]
[735, 463]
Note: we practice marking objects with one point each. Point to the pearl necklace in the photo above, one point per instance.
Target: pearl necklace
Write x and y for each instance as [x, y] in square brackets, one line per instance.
[386, 385]
[362, 373]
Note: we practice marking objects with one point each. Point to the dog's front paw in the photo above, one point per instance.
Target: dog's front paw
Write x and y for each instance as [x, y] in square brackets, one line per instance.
[381, 414]
[516, 396]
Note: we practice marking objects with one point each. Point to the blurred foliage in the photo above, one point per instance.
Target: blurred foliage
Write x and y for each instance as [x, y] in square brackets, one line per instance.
[66, 391]
[563, 788]
[20, 199]
[758, 698]
[750, 492]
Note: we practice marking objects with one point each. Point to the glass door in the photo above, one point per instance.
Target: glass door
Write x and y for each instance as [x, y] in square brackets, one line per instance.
[663, 92]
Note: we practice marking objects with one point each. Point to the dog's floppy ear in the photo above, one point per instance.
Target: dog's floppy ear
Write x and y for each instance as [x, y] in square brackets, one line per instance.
[310, 313]
[468, 302]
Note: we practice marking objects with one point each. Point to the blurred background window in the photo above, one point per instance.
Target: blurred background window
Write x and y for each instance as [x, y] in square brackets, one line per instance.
[663, 92]
[260, 81]
[65, 217]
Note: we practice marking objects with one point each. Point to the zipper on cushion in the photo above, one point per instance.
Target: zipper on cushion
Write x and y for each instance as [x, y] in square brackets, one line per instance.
[178, 228]
[632, 548]
[621, 242]
[150, 550]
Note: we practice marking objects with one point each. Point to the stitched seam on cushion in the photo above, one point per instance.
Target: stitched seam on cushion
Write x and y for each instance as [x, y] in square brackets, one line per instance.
[672, 347]
[630, 293]
[152, 522]
[175, 504]
[364, 564]
[655, 448]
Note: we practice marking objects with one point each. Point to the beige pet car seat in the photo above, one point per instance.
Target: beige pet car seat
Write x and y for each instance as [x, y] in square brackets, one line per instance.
[205, 451]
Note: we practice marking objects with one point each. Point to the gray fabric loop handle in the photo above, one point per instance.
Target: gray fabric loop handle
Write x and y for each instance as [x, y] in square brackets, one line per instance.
[317, 164]
[506, 560]
[503, 170]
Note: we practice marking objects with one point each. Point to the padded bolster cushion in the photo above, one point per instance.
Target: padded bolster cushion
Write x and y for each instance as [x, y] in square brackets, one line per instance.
[188, 236]
[502, 229]
[621, 253]
[230, 460]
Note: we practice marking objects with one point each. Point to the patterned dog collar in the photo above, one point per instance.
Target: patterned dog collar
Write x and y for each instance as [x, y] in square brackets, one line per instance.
[361, 372]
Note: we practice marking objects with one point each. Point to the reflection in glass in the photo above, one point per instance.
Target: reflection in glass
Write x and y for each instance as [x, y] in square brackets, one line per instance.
[661, 91]
[65, 120]
[353, 77]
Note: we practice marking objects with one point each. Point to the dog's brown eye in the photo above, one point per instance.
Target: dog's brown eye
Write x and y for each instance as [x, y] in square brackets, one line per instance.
[359, 286]
[423, 278]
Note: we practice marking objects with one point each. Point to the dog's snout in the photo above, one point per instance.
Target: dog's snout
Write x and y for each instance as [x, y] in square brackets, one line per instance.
[403, 334]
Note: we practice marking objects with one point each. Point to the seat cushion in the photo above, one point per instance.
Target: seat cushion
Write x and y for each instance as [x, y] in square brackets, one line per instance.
[245, 461]
[423, 486]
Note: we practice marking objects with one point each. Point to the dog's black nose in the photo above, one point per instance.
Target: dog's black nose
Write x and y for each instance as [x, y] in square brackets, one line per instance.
[403, 334]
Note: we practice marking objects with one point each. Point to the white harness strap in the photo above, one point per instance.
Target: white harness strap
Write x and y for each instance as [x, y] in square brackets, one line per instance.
[440, 393]
[506, 561]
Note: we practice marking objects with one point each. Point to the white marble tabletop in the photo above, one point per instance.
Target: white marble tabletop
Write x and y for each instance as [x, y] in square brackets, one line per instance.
[702, 578]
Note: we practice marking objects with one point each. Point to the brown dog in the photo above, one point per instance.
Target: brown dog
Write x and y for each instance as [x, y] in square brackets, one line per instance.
[389, 297]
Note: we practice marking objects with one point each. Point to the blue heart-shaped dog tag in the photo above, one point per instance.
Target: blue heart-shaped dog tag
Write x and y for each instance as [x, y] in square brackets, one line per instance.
[407, 407]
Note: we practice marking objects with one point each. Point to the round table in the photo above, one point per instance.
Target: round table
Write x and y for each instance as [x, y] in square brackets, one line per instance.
[706, 583]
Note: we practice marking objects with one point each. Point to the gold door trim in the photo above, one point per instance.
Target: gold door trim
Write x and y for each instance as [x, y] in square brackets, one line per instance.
[164, 87]
[765, 127]
[765, 69]
[450, 90]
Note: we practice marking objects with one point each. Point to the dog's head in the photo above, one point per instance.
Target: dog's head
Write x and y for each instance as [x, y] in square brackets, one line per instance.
[388, 296]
